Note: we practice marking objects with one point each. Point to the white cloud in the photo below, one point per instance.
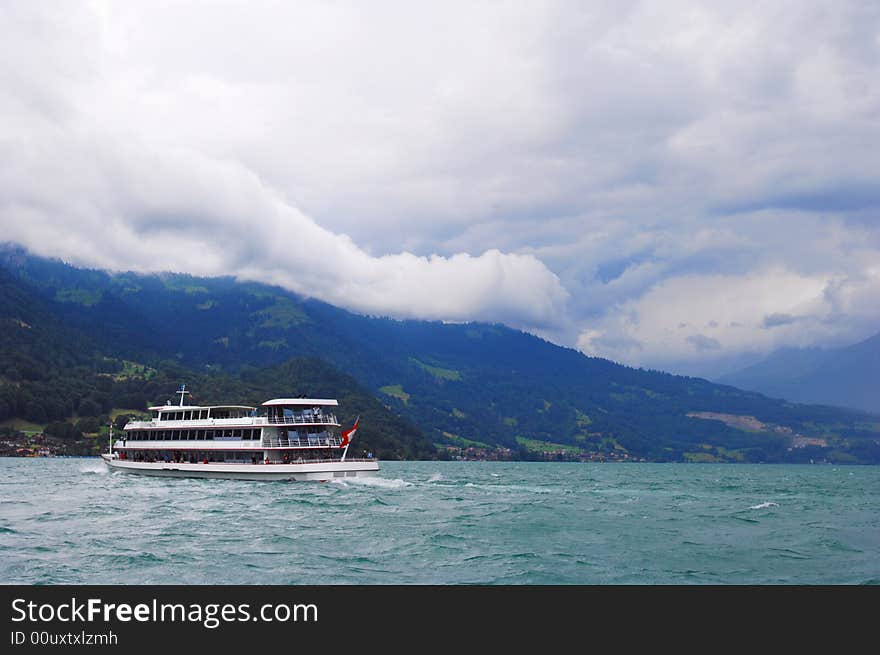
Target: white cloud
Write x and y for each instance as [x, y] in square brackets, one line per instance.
[153, 210]
[598, 172]
[683, 319]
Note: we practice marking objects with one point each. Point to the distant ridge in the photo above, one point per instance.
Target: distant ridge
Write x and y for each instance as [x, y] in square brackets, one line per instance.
[474, 390]
[845, 377]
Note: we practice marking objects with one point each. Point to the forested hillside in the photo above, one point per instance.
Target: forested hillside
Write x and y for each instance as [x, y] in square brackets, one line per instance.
[474, 385]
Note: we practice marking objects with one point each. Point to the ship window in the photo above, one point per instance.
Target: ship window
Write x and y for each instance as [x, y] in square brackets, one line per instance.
[209, 434]
[236, 434]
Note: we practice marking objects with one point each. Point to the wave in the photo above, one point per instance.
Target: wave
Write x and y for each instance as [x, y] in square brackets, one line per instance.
[764, 505]
[94, 467]
[516, 488]
[384, 483]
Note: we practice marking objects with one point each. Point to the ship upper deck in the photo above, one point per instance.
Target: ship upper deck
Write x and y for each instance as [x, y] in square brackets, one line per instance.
[278, 412]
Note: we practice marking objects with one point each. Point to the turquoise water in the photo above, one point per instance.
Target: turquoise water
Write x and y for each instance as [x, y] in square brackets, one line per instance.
[70, 521]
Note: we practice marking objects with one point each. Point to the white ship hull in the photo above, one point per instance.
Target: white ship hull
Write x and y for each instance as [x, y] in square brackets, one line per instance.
[312, 471]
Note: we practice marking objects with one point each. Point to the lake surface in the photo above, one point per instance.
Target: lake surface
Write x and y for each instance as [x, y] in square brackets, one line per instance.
[70, 521]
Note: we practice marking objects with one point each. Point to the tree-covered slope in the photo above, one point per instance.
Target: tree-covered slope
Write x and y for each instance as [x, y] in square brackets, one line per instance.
[472, 384]
[56, 375]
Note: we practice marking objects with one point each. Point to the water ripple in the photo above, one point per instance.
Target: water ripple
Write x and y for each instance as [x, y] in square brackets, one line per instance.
[69, 521]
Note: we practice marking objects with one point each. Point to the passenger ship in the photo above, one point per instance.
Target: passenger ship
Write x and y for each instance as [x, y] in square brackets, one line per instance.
[287, 439]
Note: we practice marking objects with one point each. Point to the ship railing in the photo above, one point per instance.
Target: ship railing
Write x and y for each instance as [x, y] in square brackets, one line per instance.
[295, 419]
[302, 417]
[335, 460]
[244, 421]
[322, 440]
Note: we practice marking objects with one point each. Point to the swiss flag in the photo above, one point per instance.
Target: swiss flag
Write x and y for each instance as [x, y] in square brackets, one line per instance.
[348, 434]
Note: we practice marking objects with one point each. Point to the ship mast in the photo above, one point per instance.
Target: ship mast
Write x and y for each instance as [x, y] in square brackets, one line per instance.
[183, 392]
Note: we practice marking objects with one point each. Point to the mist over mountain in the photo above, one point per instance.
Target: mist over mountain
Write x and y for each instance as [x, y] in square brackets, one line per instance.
[463, 386]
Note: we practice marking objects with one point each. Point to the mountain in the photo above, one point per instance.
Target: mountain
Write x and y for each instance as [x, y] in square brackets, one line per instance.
[473, 386]
[846, 377]
[57, 376]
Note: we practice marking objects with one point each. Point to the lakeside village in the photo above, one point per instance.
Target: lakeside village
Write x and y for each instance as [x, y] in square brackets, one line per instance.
[88, 437]
[54, 440]
[19, 444]
[61, 441]
[500, 454]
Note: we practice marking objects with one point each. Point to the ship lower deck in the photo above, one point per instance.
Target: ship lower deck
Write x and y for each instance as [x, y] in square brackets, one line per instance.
[322, 470]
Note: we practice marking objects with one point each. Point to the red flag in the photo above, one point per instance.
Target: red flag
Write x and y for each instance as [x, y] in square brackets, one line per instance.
[348, 434]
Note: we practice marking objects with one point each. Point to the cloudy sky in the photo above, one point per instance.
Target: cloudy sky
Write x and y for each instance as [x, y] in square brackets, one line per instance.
[675, 185]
